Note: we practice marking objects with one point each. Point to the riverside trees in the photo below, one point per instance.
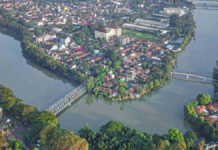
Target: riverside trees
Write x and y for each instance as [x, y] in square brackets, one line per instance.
[203, 126]
[115, 135]
[41, 125]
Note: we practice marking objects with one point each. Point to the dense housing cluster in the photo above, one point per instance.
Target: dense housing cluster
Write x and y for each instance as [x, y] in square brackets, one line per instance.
[122, 52]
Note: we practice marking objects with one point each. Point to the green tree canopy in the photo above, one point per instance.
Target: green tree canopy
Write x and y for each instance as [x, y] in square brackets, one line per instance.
[175, 136]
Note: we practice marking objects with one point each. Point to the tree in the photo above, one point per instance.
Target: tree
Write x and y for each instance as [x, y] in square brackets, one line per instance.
[174, 135]
[85, 67]
[200, 145]
[215, 84]
[54, 138]
[174, 20]
[178, 146]
[203, 99]
[16, 145]
[88, 134]
[190, 138]
[163, 145]
[90, 84]
[46, 117]
[112, 55]
[195, 103]
[3, 142]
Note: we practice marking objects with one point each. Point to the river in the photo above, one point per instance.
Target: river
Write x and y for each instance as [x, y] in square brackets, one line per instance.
[154, 113]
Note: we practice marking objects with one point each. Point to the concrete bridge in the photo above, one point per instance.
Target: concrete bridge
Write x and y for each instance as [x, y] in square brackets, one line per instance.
[211, 146]
[210, 5]
[190, 76]
[65, 102]
[207, 5]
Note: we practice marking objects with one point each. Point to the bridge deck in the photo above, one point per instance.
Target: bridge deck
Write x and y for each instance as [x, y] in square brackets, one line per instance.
[190, 75]
[65, 102]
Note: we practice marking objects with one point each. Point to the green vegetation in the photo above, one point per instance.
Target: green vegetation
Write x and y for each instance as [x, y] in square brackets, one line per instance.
[140, 35]
[116, 136]
[184, 25]
[41, 125]
[203, 126]
[10, 145]
[215, 84]
[31, 50]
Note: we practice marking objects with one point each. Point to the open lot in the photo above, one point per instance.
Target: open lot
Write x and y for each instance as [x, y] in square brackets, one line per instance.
[141, 35]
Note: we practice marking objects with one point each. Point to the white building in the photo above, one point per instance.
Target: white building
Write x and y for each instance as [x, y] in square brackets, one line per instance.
[124, 40]
[57, 30]
[54, 47]
[65, 41]
[107, 33]
[49, 37]
[171, 10]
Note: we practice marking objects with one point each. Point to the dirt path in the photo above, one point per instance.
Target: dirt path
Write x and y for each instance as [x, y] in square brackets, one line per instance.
[17, 132]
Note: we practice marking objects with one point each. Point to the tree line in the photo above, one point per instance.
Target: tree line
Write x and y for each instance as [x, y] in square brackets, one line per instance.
[41, 126]
[116, 136]
[29, 49]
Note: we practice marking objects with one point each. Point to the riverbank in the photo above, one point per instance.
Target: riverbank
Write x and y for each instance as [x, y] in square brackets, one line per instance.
[41, 126]
[202, 112]
[153, 113]
[30, 50]
[163, 109]
[160, 74]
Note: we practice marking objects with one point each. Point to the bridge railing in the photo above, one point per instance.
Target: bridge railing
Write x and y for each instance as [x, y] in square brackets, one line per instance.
[188, 75]
[61, 104]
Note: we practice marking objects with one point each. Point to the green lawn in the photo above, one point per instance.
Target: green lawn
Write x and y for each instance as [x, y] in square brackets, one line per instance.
[140, 35]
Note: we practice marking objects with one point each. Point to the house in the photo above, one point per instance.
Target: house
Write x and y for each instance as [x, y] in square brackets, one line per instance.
[55, 56]
[49, 37]
[213, 107]
[57, 30]
[212, 118]
[201, 110]
[65, 41]
[54, 47]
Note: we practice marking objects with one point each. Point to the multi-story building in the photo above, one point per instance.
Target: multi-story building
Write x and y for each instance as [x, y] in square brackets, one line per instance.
[108, 32]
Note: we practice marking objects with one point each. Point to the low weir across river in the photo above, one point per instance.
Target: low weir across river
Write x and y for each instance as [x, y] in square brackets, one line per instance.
[65, 102]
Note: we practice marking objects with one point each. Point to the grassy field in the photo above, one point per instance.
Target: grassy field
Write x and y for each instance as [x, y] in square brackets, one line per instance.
[140, 35]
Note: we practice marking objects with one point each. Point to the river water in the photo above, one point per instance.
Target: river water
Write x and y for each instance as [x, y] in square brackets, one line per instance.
[154, 113]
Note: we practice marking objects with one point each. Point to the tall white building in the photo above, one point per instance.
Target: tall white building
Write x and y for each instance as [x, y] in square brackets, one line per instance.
[108, 32]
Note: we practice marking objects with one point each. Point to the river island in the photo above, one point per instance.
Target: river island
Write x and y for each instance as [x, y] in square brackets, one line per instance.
[120, 54]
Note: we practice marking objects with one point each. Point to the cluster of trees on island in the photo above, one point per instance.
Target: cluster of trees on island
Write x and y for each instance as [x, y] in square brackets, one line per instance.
[203, 126]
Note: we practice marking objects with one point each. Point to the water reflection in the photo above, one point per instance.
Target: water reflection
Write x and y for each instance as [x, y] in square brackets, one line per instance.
[163, 108]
